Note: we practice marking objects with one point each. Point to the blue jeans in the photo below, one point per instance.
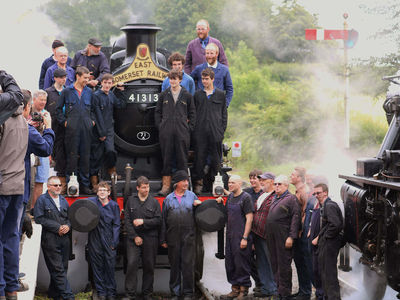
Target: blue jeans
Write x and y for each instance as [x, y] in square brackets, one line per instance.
[10, 211]
[268, 285]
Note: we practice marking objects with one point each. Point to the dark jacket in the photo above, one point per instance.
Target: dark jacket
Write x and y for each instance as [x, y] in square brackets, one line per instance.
[51, 105]
[74, 107]
[48, 62]
[222, 79]
[103, 108]
[179, 118]
[211, 113]
[97, 64]
[149, 211]
[49, 77]
[40, 145]
[47, 214]
[13, 145]
[285, 212]
[332, 220]
[11, 97]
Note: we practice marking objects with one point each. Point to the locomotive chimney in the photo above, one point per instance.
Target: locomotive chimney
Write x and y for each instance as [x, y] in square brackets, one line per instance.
[140, 33]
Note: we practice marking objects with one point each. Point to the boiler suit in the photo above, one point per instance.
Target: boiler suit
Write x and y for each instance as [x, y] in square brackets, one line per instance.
[56, 248]
[282, 222]
[103, 151]
[102, 244]
[237, 260]
[175, 121]
[329, 243]
[178, 231]
[77, 111]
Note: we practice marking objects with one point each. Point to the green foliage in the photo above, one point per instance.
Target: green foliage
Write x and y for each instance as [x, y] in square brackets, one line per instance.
[367, 131]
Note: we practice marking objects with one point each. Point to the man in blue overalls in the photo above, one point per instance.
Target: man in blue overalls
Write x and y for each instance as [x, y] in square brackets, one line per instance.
[102, 243]
[51, 211]
[102, 145]
[178, 235]
[238, 239]
[74, 112]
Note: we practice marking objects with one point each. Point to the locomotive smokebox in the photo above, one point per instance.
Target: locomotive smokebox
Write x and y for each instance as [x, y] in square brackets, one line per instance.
[136, 136]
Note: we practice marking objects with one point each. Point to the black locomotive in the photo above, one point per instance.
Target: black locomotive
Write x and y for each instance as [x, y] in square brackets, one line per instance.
[372, 205]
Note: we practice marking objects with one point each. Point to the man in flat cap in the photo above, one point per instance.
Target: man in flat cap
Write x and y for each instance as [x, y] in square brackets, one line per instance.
[261, 209]
[178, 235]
[92, 58]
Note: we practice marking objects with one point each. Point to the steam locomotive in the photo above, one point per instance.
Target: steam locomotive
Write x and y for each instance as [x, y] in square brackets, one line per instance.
[137, 63]
[372, 205]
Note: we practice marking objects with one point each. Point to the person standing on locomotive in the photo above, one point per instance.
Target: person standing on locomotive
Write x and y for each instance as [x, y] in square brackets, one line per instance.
[328, 241]
[222, 76]
[175, 117]
[142, 223]
[58, 155]
[239, 241]
[102, 145]
[48, 62]
[211, 122]
[62, 57]
[92, 58]
[78, 121]
[102, 243]
[51, 211]
[178, 235]
[176, 60]
[195, 52]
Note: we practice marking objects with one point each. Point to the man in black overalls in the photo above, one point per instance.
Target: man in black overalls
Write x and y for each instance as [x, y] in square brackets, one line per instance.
[238, 239]
[51, 211]
[329, 242]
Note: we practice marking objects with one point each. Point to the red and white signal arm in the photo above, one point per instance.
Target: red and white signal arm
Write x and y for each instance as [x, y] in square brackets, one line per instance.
[236, 149]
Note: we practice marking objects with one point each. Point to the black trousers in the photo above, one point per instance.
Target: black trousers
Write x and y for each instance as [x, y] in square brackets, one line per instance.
[59, 151]
[174, 145]
[208, 151]
[328, 250]
[319, 292]
[56, 250]
[102, 153]
[281, 258]
[147, 252]
[302, 260]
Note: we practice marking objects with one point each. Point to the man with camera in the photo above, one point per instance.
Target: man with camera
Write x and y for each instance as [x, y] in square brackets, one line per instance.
[38, 115]
[13, 145]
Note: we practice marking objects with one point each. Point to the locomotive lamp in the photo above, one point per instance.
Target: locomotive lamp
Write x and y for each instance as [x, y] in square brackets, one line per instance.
[73, 186]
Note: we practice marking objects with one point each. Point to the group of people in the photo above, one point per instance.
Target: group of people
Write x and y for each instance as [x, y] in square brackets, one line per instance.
[305, 227]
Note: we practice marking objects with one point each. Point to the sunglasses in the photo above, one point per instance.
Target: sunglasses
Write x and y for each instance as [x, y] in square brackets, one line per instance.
[56, 184]
[277, 183]
[317, 193]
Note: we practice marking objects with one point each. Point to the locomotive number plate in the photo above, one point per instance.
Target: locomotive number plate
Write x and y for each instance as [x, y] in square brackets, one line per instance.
[142, 98]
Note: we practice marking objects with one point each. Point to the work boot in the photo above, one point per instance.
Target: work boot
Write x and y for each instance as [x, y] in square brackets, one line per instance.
[233, 294]
[85, 190]
[244, 290]
[63, 181]
[166, 186]
[112, 171]
[94, 181]
[198, 186]
[23, 286]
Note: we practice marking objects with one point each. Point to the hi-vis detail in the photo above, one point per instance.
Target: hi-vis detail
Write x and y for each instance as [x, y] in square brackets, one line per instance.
[142, 67]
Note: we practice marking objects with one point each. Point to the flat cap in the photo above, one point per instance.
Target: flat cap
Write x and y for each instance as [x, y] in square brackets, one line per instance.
[95, 42]
[60, 73]
[266, 175]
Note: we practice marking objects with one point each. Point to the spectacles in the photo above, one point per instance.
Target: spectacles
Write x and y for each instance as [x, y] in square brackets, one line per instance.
[57, 184]
[277, 183]
[317, 193]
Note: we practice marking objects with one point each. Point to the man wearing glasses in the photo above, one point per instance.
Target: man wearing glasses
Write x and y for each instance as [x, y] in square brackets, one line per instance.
[51, 210]
[196, 49]
[282, 228]
[328, 241]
